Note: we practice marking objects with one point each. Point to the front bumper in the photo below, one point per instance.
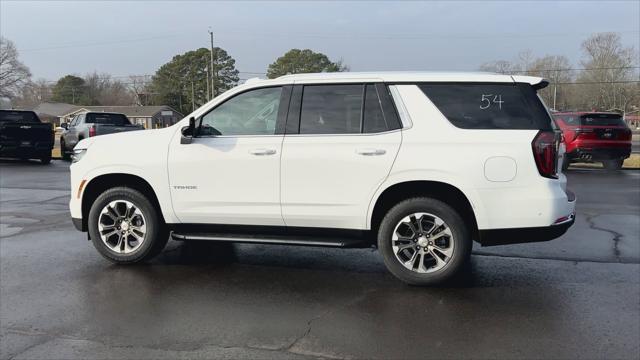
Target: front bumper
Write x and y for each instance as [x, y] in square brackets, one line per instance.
[78, 224]
[587, 154]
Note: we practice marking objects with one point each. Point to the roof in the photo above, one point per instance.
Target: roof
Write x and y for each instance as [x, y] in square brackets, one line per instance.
[63, 109]
[412, 76]
[132, 111]
[55, 109]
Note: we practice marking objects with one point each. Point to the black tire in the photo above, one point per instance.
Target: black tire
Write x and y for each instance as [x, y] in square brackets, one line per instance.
[459, 230]
[45, 159]
[63, 152]
[155, 238]
[613, 165]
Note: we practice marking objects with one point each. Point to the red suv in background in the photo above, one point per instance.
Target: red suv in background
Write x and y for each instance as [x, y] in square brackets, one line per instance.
[594, 136]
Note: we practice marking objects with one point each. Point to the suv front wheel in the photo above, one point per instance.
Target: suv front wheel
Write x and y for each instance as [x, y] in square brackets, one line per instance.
[125, 227]
[424, 241]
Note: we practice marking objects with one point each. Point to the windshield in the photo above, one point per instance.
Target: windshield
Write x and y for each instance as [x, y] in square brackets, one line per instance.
[18, 116]
[110, 119]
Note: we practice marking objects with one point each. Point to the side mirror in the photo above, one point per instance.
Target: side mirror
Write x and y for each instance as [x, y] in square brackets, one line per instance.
[64, 126]
[188, 132]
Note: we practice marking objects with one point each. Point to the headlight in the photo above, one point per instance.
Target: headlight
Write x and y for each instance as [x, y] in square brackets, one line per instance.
[77, 155]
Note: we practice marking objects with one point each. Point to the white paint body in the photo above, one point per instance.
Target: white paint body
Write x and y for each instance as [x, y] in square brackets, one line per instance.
[332, 181]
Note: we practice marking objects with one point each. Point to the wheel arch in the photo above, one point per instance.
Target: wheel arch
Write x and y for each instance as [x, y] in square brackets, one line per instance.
[443, 191]
[101, 183]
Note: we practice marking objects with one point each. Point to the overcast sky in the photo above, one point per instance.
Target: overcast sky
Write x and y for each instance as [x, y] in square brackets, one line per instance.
[136, 37]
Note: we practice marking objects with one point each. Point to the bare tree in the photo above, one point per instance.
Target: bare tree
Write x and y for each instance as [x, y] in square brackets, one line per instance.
[501, 67]
[33, 93]
[102, 89]
[611, 73]
[557, 70]
[139, 87]
[13, 73]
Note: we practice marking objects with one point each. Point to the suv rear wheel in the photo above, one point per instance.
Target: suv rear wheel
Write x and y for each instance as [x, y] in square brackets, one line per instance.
[424, 241]
[125, 227]
[613, 164]
[63, 151]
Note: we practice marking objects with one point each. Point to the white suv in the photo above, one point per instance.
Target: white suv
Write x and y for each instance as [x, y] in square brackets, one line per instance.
[417, 164]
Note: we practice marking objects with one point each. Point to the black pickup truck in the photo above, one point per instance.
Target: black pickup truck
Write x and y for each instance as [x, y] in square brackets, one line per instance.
[24, 136]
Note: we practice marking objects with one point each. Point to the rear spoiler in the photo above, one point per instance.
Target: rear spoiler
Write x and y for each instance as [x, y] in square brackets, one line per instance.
[537, 83]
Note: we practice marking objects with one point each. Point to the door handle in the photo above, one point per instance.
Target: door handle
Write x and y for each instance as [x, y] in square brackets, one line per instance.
[371, 152]
[262, 152]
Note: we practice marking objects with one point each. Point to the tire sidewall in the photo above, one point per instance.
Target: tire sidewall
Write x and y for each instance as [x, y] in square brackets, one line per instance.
[63, 151]
[461, 238]
[151, 217]
[613, 165]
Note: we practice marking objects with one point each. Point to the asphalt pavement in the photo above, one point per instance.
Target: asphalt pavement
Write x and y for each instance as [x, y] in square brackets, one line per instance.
[574, 297]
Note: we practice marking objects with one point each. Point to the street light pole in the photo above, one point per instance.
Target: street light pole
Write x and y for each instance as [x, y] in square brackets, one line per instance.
[213, 72]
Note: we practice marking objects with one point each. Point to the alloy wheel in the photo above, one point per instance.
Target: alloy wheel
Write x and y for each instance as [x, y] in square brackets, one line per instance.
[422, 243]
[122, 226]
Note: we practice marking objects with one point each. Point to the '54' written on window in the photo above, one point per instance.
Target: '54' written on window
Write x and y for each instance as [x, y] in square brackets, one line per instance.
[489, 100]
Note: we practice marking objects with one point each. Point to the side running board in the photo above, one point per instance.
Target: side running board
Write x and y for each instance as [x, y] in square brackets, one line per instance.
[268, 239]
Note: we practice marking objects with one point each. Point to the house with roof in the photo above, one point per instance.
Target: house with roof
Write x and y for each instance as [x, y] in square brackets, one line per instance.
[151, 117]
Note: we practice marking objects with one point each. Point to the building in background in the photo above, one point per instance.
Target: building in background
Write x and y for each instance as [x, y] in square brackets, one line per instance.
[151, 117]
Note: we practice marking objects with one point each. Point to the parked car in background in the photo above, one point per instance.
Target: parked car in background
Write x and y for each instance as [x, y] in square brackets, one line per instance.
[92, 124]
[594, 137]
[417, 164]
[24, 136]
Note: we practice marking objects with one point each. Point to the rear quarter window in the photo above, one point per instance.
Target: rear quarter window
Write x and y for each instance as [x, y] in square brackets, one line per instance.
[489, 105]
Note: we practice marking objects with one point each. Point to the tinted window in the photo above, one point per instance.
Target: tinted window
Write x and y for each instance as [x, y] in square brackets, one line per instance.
[253, 112]
[18, 116]
[331, 109]
[489, 106]
[374, 120]
[111, 119]
[602, 120]
[569, 120]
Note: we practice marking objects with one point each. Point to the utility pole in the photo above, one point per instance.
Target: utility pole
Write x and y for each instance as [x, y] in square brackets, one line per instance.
[207, 80]
[193, 98]
[213, 72]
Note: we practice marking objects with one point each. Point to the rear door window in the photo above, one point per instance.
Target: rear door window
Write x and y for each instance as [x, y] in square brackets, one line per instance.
[374, 120]
[489, 105]
[110, 119]
[331, 109]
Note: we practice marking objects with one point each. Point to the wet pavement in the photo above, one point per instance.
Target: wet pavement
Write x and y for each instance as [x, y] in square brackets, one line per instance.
[577, 296]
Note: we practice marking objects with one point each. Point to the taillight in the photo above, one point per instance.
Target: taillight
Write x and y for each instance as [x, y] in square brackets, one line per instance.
[545, 152]
[580, 131]
[92, 131]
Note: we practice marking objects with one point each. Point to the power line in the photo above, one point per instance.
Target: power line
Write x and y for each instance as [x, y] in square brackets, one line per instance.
[598, 82]
[577, 69]
[330, 36]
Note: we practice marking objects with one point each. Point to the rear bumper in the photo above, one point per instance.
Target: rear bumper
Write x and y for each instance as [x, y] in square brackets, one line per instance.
[32, 151]
[524, 235]
[586, 153]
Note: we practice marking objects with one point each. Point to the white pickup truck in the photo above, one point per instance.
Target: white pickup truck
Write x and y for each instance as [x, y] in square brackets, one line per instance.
[416, 164]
